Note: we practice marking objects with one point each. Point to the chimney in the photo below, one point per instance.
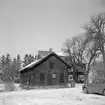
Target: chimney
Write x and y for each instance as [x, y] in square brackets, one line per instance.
[50, 50]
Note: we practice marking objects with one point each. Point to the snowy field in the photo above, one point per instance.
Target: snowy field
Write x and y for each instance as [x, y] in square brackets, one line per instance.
[61, 96]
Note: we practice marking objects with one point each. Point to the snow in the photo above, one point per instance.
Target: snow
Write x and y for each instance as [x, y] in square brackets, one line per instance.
[31, 64]
[61, 96]
[36, 61]
[60, 53]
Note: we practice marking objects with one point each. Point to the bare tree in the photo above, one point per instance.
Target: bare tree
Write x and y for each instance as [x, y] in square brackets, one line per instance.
[74, 48]
[95, 39]
[88, 48]
[90, 53]
[95, 33]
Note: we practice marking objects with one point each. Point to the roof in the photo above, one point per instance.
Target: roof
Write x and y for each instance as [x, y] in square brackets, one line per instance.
[61, 54]
[38, 62]
[43, 53]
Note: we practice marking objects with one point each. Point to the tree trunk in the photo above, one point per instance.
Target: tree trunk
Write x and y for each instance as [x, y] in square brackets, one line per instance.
[104, 60]
[87, 71]
[28, 83]
[103, 54]
[86, 74]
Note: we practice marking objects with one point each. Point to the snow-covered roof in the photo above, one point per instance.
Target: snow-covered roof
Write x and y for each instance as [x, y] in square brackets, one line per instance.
[34, 63]
[44, 53]
[29, 65]
[60, 53]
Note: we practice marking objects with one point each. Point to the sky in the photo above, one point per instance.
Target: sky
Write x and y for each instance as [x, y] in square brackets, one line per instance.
[27, 26]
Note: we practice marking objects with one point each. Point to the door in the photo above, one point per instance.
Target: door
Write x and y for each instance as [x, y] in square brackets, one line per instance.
[49, 79]
[42, 78]
[101, 85]
[61, 78]
[94, 87]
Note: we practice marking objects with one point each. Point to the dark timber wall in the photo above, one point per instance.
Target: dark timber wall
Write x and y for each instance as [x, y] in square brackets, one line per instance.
[51, 72]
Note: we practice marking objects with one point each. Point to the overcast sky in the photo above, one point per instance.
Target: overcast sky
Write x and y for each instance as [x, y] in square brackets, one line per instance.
[27, 26]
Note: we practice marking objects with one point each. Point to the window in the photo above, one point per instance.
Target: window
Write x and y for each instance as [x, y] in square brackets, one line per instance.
[61, 78]
[96, 81]
[51, 65]
[70, 70]
[53, 75]
[42, 77]
[70, 77]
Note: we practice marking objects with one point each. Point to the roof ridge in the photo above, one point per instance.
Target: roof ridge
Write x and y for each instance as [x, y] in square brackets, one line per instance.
[44, 58]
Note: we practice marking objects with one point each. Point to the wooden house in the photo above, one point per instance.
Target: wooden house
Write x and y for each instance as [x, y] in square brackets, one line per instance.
[51, 70]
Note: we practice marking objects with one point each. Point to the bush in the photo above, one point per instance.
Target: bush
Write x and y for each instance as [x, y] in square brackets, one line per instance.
[9, 86]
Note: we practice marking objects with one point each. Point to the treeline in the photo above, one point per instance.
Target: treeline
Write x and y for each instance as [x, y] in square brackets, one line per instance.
[10, 67]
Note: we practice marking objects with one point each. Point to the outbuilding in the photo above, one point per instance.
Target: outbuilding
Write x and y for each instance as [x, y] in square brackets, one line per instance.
[50, 70]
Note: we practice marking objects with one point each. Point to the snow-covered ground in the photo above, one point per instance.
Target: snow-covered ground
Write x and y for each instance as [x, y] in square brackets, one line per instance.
[61, 96]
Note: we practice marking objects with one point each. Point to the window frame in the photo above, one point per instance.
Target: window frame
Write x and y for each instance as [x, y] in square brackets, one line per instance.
[61, 78]
[42, 79]
[51, 65]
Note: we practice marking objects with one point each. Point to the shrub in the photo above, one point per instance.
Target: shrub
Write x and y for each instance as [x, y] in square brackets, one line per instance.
[9, 86]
